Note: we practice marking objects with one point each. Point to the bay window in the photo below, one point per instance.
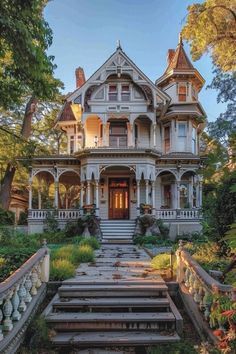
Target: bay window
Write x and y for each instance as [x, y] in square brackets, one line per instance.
[194, 138]
[125, 93]
[182, 136]
[112, 93]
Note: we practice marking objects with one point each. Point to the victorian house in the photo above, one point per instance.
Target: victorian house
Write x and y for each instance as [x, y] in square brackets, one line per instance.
[131, 144]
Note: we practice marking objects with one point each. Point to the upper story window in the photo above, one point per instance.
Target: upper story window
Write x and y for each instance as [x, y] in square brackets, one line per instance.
[194, 94]
[118, 134]
[182, 92]
[167, 140]
[125, 93]
[194, 140]
[112, 93]
[182, 135]
[72, 144]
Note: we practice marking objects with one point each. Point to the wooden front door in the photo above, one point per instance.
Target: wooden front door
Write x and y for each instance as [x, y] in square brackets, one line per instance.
[118, 200]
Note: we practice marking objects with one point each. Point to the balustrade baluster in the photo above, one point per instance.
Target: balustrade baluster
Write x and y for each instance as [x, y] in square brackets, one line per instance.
[1, 318]
[206, 304]
[34, 279]
[186, 277]
[7, 311]
[191, 282]
[16, 302]
[196, 287]
[22, 295]
[28, 286]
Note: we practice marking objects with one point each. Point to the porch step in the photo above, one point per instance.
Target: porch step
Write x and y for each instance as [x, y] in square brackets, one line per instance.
[117, 338]
[117, 231]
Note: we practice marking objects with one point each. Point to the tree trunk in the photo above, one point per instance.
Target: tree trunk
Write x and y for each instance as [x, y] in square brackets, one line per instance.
[6, 183]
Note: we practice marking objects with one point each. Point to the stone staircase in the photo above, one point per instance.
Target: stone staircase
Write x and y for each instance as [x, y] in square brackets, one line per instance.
[117, 231]
[112, 304]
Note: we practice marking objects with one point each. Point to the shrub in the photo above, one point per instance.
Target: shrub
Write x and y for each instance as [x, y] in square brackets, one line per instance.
[64, 252]
[51, 223]
[90, 241]
[23, 218]
[183, 347]
[83, 254]
[6, 217]
[164, 229]
[162, 261]
[208, 256]
[61, 269]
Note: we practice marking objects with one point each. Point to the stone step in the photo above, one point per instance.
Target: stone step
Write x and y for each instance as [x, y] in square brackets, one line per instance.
[111, 290]
[128, 321]
[103, 283]
[111, 303]
[116, 242]
[115, 338]
[117, 235]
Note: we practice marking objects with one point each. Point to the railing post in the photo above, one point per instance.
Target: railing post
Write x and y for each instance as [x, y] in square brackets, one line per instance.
[180, 266]
[45, 265]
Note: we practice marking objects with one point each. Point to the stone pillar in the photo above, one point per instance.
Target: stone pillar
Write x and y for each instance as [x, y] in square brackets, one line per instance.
[56, 184]
[200, 192]
[153, 196]
[97, 197]
[154, 134]
[147, 196]
[190, 199]
[130, 134]
[88, 201]
[81, 195]
[30, 193]
[138, 197]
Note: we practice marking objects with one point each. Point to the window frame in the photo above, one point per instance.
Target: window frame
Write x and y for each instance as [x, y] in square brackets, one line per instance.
[115, 93]
[182, 97]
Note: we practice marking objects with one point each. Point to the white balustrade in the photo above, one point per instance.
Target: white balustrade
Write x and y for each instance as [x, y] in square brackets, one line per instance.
[183, 214]
[60, 214]
[18, 290]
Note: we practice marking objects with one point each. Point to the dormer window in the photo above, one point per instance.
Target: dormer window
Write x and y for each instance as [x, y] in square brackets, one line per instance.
[182, 92]
[112, 93]
[125, 93]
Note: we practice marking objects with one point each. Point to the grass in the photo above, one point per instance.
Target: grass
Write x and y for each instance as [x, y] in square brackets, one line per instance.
[61, 269]
[162, 262]
[90, 241]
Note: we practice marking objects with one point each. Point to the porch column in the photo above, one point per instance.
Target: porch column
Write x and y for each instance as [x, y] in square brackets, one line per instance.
[178, 194]
[81, 195]
[30, 193]
[147, 197]
[138, 197]
[97, 197]
[88, 192]
[56, 184]
[39, 195]
[154, 135]
[190, 199]
[153, 196]
[200, 192]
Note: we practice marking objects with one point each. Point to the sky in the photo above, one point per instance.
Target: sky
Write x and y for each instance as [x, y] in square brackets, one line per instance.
[85, 33]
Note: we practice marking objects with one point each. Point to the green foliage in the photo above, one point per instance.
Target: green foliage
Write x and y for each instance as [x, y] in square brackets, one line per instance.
[13, 258]
[210, 27]
[231, 278]
[164, 229]
[6, 217]
[152, 240]
[23, 218]
[162, 262]
[90, 241]
[182, 347]
[51, 223]
[61, 269]
[84, 254]
[25, 65]
[208, 255]
[230, 236]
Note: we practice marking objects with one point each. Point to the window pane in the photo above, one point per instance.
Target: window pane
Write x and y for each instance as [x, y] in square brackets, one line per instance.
[182, 93]
[182, 130]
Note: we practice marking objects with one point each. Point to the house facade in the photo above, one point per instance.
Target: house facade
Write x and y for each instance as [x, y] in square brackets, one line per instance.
[131, 143]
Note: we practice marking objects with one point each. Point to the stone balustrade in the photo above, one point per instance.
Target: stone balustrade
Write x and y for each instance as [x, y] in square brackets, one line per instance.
[182, 214]
[196, 282]
[20, 294]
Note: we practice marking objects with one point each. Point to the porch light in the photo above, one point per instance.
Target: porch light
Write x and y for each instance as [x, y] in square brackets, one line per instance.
[96, 141]
[102, 183]
[134, 183]
[178, 165]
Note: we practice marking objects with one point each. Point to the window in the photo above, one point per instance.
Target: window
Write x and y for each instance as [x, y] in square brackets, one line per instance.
[112, 94]
[72, 144]
[194, 135]
[194, 94]
[125, 93]
[182, 136]
[182, 92]
[167, 140]
[118, 135]
[167, 197]
[136, 134]
[184, 203]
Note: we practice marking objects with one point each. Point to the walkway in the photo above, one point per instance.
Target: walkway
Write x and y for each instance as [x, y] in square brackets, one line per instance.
[117, 301]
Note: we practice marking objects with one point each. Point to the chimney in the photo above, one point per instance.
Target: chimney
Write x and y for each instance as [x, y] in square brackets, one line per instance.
[170, 55]
[80, 77]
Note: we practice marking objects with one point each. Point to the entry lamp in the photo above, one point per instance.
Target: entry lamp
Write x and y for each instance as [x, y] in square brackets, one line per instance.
[96, 141]
[134, 183]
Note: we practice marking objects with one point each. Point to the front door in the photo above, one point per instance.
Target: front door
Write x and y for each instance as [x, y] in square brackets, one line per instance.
[118, 199]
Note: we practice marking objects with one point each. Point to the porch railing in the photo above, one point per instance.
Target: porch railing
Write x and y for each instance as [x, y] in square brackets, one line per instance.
[20, 295]
[61, 214]
[182, 214]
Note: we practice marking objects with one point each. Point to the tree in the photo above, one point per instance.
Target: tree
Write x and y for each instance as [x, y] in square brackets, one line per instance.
[211, 27]
[25, 67]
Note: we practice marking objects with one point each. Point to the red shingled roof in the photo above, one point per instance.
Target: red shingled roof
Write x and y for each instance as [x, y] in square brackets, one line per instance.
[179, 59]
[66, 113]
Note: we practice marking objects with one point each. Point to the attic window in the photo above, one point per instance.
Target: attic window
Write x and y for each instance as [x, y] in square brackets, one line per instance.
[194, 94]
[125, 93]
[182, 93]
[112, 94]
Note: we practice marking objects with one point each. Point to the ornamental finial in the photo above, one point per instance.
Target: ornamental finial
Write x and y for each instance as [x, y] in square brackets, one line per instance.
[118, 45]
